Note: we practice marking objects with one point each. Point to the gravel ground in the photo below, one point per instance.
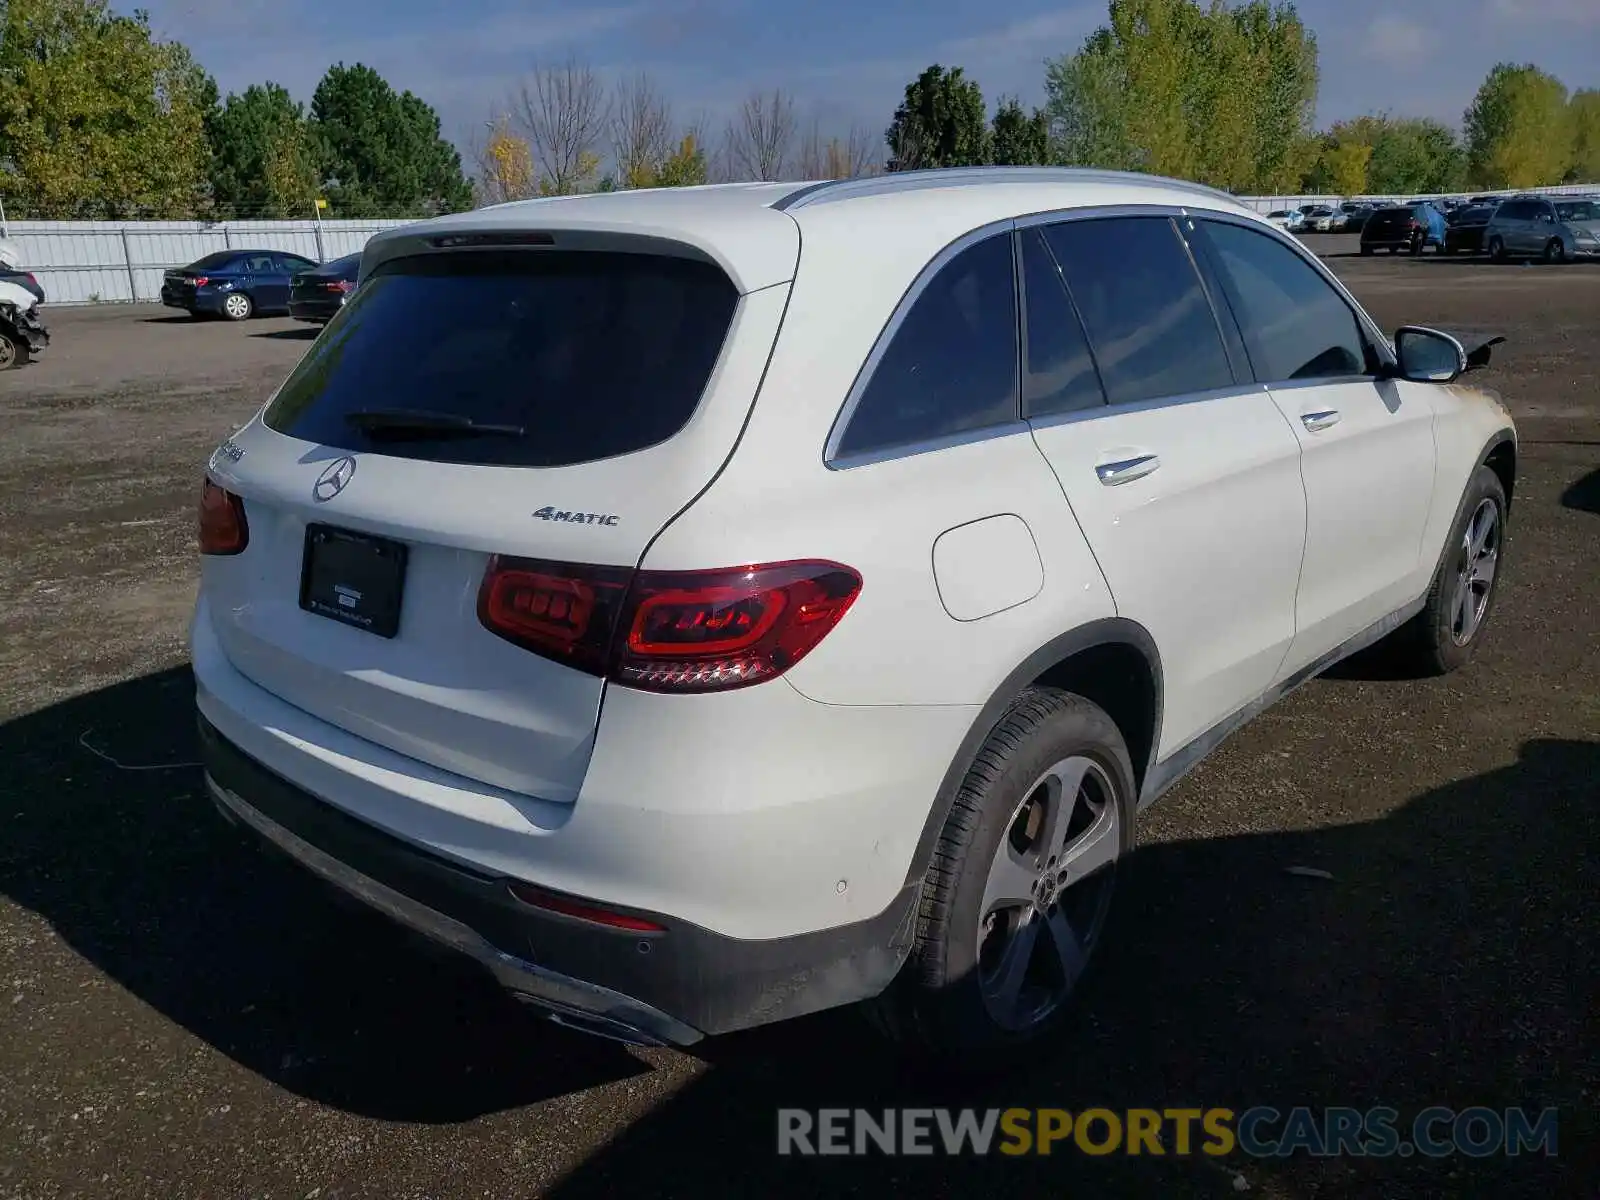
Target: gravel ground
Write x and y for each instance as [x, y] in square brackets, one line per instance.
[185, 1017]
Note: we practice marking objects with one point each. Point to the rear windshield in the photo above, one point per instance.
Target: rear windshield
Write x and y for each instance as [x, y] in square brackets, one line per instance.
[591, 354]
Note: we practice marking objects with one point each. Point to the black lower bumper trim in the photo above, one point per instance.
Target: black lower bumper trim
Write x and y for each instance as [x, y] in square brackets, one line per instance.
[672, 986]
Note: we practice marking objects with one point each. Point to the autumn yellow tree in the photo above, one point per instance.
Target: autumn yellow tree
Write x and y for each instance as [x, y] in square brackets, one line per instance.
[505, 165]
[98, 119]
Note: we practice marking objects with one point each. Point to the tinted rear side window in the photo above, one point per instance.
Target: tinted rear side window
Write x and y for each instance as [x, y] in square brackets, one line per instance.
[952, 364]
[222, 260]
[592, 354]
[1295, 325]
[1147, 316]
[1059, 374]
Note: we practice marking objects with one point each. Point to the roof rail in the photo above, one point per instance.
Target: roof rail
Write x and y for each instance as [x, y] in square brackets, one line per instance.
[939, 177]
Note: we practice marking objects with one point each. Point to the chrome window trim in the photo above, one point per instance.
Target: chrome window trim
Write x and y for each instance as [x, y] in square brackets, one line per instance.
[1112, 410]
[835, 462]
[831, 458]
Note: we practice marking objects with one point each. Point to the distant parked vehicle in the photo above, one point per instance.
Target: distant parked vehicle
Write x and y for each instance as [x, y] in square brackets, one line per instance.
[1403, 227]
[1464, 229]
[319, 294]
[22, 333]
[1319, 218]
[1287, 218]
[1355, 215]
[237, 284]
[1556, 230]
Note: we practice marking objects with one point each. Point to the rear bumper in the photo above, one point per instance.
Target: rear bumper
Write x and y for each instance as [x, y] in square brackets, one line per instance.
[209, 302]
[318, 310]
[666, 988]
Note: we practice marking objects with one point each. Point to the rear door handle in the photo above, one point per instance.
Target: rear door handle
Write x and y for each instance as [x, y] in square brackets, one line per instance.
[1127, 469]
[1321, 419]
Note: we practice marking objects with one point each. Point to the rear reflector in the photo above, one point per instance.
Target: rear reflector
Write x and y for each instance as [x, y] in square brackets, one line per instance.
[222, 524]
[568, 907]
[688, 631]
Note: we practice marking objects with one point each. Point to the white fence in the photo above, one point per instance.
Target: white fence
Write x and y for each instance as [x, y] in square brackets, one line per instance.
[82, 262]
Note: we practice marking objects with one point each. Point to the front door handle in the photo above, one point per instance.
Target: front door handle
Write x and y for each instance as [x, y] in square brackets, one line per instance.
[1113, 473]
[1321, 419]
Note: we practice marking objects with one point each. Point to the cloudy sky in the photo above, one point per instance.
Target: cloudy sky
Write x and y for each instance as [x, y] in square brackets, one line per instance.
[844, 60]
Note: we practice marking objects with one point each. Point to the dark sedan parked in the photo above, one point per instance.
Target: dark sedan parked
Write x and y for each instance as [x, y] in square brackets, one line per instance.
[1464, 228]
[236, 284]
[319, 294]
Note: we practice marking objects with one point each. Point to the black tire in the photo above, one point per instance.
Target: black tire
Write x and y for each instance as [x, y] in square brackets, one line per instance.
[1366, 250]
[1417, 246]
[1394, 249]
[1429, 644]
[1555, 251]
[1497, 249]
[936, 1011]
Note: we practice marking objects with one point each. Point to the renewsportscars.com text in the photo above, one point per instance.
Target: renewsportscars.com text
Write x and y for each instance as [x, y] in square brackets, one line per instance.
[1260, 1131]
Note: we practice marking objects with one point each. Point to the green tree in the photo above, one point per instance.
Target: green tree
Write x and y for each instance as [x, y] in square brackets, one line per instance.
[263, 163]
[1222, 95]
[684, 167]
[97, 118]
[1405, 154]
[1086, 106]
[1583, 117]
[1341, 165]
[1018, 139]
[940, 123]
[380, 153]
[1517, 130]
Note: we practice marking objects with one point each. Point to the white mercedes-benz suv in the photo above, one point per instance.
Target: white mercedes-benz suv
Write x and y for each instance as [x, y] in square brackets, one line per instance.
[708, 606]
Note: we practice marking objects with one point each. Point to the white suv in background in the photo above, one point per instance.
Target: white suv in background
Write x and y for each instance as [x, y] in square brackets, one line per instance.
[709, 606]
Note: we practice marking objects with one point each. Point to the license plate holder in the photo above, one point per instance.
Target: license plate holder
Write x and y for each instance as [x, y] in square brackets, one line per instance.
[353, 578]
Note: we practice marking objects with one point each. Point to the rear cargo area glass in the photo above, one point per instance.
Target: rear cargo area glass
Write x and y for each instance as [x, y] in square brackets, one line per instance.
[593, 354]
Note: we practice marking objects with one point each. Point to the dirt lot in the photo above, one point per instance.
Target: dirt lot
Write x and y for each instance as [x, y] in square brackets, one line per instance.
[184, 1017]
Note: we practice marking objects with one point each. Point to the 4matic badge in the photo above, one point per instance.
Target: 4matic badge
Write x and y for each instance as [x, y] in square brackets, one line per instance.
[547, 513]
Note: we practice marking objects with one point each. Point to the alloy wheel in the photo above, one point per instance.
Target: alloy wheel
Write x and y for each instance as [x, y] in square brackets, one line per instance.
[237, 306]
[8, 352]
[1047, 893]
[1480, 556]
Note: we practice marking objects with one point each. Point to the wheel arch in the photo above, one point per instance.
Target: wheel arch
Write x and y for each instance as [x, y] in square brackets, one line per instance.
[1112, 662]
[1500, 456]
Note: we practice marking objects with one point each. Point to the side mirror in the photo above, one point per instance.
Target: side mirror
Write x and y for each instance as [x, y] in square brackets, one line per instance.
[1428, 356]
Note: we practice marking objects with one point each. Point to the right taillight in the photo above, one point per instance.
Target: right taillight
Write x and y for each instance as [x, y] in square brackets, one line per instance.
[687, 631]
[222, 524]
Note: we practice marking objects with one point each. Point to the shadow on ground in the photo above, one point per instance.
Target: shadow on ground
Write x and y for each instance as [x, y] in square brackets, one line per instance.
[137, 873]
[185, 319]
[1449, 960]
[301, 334]
[1584, 495]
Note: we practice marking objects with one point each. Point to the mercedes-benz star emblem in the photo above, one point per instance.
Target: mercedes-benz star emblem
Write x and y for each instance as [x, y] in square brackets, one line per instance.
[335, 477]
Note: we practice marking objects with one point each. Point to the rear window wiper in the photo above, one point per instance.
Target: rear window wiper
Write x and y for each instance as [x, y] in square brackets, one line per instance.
[419, 423]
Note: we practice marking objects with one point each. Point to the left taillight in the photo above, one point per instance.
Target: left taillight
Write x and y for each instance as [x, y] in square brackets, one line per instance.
[222, 525]
[660, 631]
[342, 286]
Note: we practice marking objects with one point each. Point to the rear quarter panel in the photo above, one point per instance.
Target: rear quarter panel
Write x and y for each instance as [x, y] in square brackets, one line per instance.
[776, 499]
